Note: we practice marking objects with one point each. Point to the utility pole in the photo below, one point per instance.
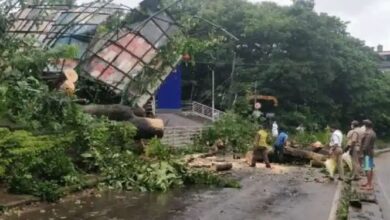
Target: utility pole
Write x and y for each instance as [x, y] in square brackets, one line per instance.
[255, 92]
[231, 99]
[233, 65]
[212, 94]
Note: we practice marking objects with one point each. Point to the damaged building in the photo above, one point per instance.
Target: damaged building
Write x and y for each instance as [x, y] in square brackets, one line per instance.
[124, 58]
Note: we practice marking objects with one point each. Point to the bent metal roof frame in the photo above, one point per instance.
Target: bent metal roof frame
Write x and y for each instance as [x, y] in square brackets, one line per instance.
[119, 58]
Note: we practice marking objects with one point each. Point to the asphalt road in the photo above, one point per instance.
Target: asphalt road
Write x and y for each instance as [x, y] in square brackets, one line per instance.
[284, 193]
[382, 170]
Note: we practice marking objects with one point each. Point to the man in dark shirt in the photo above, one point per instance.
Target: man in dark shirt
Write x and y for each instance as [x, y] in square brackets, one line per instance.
[368, 143]
[280, 143]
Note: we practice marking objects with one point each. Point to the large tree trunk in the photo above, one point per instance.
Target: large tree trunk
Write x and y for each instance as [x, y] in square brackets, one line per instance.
[304, 154]
[116, 112]
[146, 127]
[314, 163]
[292, 152]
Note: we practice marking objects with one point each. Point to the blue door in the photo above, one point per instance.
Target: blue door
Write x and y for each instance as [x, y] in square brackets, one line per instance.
[169, 93]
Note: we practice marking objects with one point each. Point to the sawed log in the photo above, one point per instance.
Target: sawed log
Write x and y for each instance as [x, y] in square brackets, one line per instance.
[146, 127]
[222, 166]
[304, 154]
[293, 152]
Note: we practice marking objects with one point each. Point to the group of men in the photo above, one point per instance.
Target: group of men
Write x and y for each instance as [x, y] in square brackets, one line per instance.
[360, 145]
[262, 147]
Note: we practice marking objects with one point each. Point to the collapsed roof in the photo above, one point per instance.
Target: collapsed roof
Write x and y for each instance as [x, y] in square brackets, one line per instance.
[121, 58]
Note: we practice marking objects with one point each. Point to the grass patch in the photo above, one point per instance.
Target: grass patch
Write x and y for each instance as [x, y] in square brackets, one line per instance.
[343, 208]
[382, 144]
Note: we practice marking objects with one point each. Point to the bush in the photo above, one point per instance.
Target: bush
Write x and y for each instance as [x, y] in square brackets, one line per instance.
[202, 177]
[236, 132]
[15, 146]
[94, 137]
[36, 165]
[307, 138]
[42, 174]
[54, 165]
[129, 172]
[155, 149]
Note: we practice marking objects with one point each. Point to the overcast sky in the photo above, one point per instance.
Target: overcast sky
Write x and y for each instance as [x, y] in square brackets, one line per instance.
[369, 19]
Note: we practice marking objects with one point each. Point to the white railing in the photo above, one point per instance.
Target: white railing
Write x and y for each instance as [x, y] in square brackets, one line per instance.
[181, 136]
[205, 111]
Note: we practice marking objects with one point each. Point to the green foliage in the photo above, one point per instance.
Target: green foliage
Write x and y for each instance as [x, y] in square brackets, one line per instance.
[22, 58]
[75, 143]
[48, 191]
[307, 138]
[202, 177]
[343, 208]
[372, 101]
[57, 166]
[97, 93]
[155, 149]
[307, 60]
[236, 132]
[127, 171]
[23, 97]
[42, 165]
[16, 145]
[30, 103]
[159, 172]
[36, 165]
[95, 138]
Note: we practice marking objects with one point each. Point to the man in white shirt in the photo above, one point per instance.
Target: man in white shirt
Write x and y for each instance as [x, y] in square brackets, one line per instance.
[275, 130]
[336, 150]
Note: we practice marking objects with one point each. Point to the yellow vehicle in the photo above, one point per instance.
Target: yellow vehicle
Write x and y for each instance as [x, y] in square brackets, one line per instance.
[268, 104]
[257, 98]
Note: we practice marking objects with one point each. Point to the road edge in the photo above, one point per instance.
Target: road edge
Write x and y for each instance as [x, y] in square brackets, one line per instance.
[379, 152]
[336, 201]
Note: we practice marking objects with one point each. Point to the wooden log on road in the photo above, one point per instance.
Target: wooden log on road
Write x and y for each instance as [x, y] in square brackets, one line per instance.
[304, 154]
[318, 164]
[222, 166]
[318, 159]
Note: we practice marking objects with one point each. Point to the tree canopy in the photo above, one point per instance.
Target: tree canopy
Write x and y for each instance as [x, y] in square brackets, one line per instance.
[308, 60]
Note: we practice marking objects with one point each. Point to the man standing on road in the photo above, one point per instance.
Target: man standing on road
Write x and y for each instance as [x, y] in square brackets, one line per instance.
[279, 145]
[353, 145]
[262, 147]
[275, 130]
[361, 130]
[336, 151]
[368, 143]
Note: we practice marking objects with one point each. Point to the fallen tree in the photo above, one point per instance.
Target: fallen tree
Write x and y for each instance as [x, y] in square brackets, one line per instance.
[146, 127]
[304, 154]
[295, 153]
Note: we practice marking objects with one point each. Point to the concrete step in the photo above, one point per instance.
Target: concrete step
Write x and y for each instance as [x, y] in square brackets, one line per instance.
[179, 120]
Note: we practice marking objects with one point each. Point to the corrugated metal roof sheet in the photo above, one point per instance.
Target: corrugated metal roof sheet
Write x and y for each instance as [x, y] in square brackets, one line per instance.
[121, 59]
